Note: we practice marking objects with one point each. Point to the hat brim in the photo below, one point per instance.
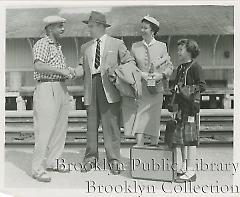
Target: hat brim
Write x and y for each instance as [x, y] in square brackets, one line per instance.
[47, 24]
[105, 24]
[144, 19]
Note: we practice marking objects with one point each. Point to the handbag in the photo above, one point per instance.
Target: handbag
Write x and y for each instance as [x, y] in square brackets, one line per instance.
[172, 106]
[169, 132]
[151, 82]
[152, 89]
[190, 93]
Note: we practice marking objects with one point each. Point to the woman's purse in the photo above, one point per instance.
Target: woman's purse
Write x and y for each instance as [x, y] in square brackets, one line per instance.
[172, 106]
[170, 132]
[190, 93]
[151, 82]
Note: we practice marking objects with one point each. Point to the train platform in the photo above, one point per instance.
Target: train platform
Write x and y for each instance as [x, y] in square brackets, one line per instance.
[215, 167]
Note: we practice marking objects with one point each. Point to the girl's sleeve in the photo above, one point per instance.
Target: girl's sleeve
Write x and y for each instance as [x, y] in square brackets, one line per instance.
[199, 79]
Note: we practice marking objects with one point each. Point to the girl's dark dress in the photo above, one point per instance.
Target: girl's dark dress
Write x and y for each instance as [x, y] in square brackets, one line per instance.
[189, 77]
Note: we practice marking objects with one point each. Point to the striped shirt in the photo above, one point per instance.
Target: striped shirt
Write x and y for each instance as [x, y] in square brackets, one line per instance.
[46, 51]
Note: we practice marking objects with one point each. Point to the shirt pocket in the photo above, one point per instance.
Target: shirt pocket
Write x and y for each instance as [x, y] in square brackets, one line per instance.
[111, 58]
[54, 54]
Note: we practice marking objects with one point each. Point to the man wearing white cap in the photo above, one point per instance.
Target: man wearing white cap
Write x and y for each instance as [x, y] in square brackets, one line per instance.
[50, 111]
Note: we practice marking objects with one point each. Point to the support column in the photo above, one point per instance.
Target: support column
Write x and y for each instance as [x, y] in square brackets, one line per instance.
[15, 80]
[214, 50]
[227, 101]
[76, 45]
[168, 43]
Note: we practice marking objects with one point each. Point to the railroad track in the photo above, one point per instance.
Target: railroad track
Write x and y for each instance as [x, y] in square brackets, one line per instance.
[216, 127]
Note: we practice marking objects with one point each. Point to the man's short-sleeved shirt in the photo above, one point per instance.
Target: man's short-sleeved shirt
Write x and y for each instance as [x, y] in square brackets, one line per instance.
[46, 51]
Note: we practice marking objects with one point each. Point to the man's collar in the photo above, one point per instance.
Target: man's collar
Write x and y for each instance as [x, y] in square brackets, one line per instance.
[153, 41]
[50, 41]
[102, 38]
[186, 64]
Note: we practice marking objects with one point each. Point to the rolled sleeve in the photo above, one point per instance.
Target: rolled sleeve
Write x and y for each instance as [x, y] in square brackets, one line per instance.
[199, 77]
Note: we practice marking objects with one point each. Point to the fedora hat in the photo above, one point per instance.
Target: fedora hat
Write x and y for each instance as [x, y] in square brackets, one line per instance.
[98, 18]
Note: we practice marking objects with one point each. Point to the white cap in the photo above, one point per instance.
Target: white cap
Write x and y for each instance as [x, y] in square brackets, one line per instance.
[53, 19]
[151, 20]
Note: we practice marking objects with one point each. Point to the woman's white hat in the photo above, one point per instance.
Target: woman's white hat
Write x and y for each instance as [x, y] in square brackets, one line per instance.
[151, 20]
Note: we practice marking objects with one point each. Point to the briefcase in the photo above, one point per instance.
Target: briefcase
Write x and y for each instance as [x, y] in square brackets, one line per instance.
[152, 163]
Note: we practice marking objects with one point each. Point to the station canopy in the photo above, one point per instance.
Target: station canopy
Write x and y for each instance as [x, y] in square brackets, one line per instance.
[125, 21]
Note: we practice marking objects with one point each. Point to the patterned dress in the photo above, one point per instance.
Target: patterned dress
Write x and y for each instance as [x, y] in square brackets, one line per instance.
[189, 77]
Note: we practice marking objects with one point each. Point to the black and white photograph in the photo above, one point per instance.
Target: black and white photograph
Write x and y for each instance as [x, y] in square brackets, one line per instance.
[119, 99]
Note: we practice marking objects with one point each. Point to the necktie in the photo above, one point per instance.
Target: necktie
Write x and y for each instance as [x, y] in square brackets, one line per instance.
[97, 56]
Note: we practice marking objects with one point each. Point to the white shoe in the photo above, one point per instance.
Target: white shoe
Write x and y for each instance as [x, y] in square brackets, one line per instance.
[42, 177]
[189, 176]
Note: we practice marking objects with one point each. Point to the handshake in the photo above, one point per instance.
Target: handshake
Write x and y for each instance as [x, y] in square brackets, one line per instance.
[72, 73]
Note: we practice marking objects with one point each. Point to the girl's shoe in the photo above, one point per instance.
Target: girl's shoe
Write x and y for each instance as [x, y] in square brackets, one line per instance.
[188, 176]
[181, 172]
[153, 145]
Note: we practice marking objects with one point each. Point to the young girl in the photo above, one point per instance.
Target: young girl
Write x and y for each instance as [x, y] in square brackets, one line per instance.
[189, 83]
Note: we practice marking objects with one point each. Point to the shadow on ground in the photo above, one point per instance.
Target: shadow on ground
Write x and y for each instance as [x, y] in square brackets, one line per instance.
[22, 160]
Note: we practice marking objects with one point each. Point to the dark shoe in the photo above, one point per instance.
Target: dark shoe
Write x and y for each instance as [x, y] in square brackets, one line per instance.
[138, 146]
[115, 167]
[59, 169]
[178, 180]
[88, 165]
[153, 145]
[181, 172]
[42, 177]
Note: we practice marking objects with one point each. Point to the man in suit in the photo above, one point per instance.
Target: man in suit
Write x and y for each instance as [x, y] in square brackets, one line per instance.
[101, 97]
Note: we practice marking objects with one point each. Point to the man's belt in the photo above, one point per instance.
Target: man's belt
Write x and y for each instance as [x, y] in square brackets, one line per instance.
[51, 80]
[96, 74]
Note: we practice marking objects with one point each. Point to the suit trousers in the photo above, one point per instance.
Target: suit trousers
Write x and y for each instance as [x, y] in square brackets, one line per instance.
[109, 114]
[50, 115]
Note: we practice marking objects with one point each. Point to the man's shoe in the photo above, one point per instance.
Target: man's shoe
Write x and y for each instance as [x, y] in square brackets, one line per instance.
[42, 177]
[60, 169]
[115, 167]
[87, 166]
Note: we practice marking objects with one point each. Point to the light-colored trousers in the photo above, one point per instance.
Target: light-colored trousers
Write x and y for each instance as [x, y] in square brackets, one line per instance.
[50, 116]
